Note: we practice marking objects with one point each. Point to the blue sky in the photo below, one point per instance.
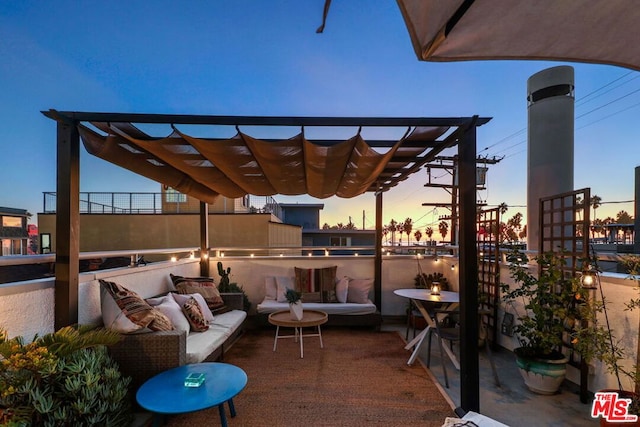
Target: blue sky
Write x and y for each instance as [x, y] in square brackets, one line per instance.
[264, 58]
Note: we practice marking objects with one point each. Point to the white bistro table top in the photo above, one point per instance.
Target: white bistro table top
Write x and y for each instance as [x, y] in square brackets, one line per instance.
[425, 295]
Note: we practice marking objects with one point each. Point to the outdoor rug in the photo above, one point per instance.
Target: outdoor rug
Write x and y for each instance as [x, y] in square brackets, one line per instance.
[359, 378]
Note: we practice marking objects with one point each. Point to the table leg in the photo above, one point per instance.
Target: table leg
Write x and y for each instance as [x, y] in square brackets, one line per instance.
[419, 338]
[301, 345]
[275, 340]
[320, 335]
[232, 408]
[223, 417]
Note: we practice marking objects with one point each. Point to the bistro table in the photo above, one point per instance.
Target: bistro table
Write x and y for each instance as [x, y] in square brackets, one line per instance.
[419, 297]
[166, 393]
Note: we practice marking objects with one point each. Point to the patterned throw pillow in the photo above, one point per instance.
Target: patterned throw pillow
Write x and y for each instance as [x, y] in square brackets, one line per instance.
[317, 284]
[204, 286]
[125, 311]
[192, 310]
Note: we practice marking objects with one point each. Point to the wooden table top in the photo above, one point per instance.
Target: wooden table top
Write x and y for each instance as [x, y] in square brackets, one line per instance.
[309, 318]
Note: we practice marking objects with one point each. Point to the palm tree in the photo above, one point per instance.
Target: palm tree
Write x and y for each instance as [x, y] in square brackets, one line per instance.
[429, 232]
[385, 233]
[400, 228]
[443, 227]
[408, 227]
[417, 235]
[393, 228]
[596, 201]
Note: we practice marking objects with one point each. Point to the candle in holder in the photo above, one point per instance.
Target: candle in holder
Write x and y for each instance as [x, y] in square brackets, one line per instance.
[435, 288]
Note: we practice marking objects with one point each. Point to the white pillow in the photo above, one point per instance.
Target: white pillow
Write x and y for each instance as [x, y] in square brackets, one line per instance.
[342, 289]
[359, 290]
[283, 283]
[270, 288]
[182, 298]
[170, 308]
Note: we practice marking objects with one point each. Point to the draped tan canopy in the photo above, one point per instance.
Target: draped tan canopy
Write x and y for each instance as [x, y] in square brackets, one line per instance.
[244, 164]
[594, 31]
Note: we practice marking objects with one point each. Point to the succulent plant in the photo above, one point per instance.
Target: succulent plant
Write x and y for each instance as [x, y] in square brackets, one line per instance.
[292, 296]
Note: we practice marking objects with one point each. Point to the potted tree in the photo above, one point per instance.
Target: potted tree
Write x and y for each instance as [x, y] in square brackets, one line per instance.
[542, 303]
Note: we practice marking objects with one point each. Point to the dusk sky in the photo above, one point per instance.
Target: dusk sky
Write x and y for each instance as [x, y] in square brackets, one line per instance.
[264, 58]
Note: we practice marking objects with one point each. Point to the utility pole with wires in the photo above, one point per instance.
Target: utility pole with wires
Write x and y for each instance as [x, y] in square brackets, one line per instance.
[450, 166]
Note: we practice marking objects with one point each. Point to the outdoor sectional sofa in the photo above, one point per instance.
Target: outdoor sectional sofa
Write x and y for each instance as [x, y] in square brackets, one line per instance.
[146, 353]
[346, 300]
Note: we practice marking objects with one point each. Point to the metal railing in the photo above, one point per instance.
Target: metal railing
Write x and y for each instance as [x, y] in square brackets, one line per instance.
[153, 203]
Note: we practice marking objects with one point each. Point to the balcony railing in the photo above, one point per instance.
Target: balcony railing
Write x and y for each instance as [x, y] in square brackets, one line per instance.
[152, 203]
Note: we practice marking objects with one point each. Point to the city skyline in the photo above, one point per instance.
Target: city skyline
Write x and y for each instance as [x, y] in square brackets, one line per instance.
[250, 58]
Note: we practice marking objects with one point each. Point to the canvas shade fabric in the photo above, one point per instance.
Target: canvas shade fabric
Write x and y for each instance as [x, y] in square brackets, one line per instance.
[243, 164]
[593, 31]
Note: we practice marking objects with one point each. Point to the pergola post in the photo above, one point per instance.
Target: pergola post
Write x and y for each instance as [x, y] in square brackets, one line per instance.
[204, 239]
[377, 283]
[469, 369]
[67, 245]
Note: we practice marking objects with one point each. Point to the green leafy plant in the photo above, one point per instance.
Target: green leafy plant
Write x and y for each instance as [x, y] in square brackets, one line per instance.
[292, 296]
[63, 378]
[547, 301]
[226, 286]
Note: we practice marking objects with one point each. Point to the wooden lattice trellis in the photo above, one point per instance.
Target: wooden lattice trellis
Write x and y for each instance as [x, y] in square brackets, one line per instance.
[488, 244]
[564, 228]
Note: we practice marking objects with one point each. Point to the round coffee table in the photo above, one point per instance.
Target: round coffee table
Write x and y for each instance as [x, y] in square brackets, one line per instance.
[166, 393]
[310, 318]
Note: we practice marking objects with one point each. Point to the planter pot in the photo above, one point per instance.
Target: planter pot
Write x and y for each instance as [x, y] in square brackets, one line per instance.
[542, 376]
[296, 310]
[622, 394]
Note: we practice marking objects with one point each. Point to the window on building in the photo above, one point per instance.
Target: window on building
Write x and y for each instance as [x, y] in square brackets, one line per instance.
[11, 221]
[340, 241]
[45, 243]
[173, 196]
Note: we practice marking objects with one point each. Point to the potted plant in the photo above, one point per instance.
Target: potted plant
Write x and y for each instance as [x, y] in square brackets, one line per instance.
[542, 303]
[63, 378]
[595, 340]
[295, 304]
[226, 286]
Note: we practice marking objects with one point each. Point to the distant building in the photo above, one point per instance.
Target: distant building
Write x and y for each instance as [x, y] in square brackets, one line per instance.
[14, 233]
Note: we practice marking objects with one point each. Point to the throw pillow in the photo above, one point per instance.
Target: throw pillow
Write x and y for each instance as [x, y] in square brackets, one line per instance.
[342, 288]
[270, 288]
[282, 284]
[170, 308]
[317, 284]
[204, 308]
[194, 314]
[204, 286]
[125, 311]
[359, 290]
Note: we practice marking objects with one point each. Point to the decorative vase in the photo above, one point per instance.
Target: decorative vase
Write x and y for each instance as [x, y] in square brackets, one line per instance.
[296, 310]
[542, 376]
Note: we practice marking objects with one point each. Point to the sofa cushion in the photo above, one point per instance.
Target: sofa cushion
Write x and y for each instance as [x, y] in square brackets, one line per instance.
[170, 308]
[181, 299]
[127, 312]
[359, 290]
[204, 286]
[342, 289]
[270, 288]
[194, 315]
[201, 344]
[282, 284]
[316, 284]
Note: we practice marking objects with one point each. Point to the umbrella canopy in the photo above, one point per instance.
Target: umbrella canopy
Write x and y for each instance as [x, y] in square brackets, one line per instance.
[594, 31]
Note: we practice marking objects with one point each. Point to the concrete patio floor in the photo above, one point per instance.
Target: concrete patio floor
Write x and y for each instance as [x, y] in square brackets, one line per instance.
[512, 403]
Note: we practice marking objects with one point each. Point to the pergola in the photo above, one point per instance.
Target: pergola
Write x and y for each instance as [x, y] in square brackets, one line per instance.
[234, 166]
